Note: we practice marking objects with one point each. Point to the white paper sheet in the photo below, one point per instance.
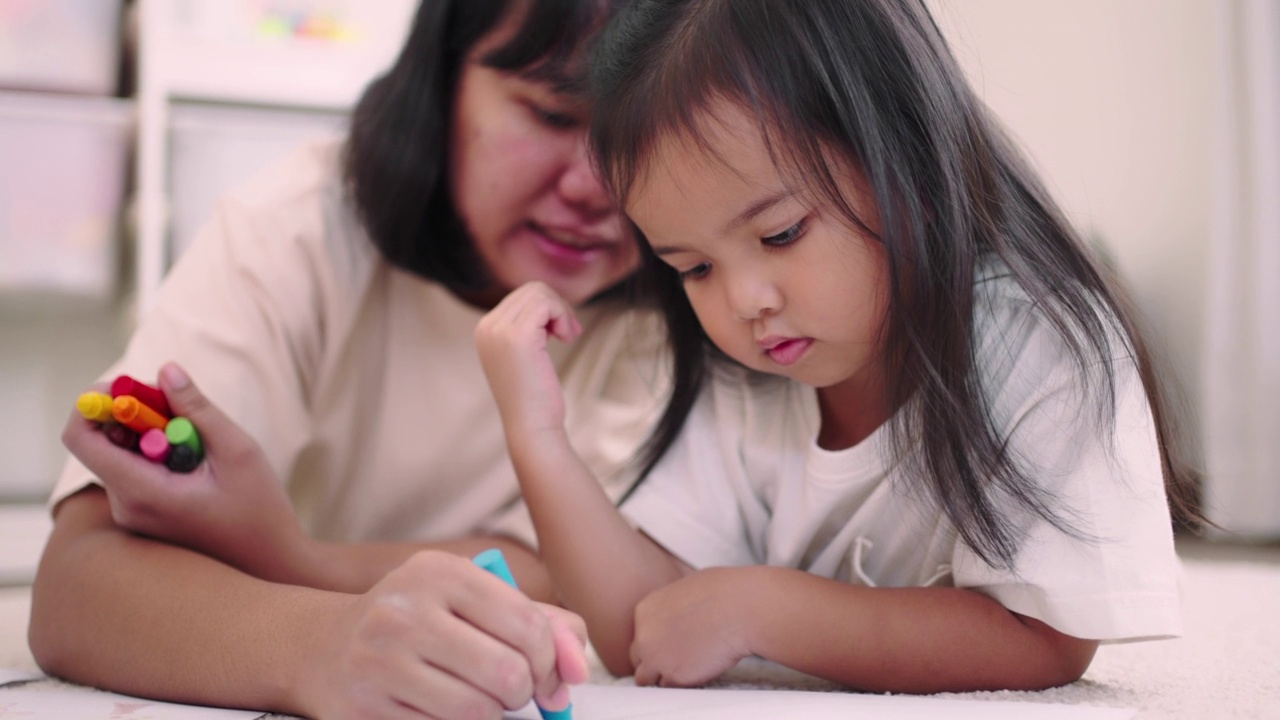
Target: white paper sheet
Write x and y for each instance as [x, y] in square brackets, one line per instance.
[91, 705]
[624, 702]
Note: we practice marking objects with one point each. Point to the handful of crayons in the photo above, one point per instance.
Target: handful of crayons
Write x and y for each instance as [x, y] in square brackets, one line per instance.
[136, 416]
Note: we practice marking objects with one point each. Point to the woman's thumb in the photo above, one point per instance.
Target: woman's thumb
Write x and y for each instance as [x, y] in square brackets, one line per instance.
[181, 393]
[186, 400]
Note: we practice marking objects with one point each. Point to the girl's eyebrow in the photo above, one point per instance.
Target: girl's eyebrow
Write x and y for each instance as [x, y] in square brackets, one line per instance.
[748, 213]
[756, 208]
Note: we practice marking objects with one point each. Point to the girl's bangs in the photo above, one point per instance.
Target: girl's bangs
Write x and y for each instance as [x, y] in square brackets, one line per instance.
[669, 85]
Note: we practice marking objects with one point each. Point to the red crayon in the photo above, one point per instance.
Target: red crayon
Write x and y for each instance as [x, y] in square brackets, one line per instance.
[147, 395]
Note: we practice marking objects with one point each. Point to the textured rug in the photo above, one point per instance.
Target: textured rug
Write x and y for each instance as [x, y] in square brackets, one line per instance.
[1227, 665]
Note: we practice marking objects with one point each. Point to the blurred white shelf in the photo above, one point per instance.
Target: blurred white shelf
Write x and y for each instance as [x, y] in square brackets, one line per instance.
[277, 55]
[282, 52]
[317, 76]
[61, 201]
[60, 45]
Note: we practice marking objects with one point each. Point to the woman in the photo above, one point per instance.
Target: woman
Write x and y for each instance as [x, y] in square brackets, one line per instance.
[329, 311]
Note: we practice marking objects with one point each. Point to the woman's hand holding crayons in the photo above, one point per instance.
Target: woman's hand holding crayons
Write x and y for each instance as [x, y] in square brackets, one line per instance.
[230, 506]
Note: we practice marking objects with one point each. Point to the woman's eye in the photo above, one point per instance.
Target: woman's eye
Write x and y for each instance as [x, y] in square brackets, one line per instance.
[697, 272]
[554, 119]
[786, 237]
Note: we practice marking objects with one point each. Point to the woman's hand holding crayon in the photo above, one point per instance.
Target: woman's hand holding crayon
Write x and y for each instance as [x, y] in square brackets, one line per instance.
[440, 634]
[230, 506]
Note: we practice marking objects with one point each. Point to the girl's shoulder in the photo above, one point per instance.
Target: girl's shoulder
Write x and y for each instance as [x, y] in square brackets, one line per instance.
[1023, 347]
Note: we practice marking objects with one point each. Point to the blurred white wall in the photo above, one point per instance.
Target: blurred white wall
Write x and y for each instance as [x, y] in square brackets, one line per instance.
[1112, 101]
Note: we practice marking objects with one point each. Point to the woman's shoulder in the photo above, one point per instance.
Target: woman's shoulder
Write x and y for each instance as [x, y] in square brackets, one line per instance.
[310, 173]
[294, 215]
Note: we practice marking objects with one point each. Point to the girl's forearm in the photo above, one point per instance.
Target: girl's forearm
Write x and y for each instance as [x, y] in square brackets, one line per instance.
[912, 640]
[601, 566]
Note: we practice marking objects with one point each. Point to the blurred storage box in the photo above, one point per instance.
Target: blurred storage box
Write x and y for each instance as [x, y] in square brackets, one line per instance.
[214, 148]
[304, 53]
[63, 162]
[60, 45]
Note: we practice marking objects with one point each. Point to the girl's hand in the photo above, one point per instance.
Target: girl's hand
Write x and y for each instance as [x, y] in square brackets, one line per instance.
[439, 637]
[512, 343]
[690, 631]
[230, 507]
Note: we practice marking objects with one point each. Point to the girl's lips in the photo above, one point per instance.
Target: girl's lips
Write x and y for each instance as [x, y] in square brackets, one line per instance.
[787, 352]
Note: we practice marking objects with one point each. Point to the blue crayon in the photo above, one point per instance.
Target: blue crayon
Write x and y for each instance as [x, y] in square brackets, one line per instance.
[493, 561]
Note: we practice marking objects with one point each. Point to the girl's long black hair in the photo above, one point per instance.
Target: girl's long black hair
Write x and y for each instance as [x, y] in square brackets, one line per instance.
[872, 84]
[397, 152]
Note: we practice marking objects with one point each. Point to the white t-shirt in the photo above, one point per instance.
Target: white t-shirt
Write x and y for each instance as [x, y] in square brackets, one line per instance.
[359, 380]
[746, 483]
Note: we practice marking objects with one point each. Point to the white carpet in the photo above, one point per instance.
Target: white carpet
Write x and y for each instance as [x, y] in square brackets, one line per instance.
[1227, 666]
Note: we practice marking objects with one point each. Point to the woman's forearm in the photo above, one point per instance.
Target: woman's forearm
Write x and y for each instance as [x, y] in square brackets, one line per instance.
[115, 610]
[356, 567]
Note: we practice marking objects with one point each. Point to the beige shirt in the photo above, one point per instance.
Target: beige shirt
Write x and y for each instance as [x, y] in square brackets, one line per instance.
[359, 380]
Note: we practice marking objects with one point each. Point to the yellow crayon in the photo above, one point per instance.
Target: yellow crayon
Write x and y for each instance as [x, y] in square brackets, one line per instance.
[95, 406]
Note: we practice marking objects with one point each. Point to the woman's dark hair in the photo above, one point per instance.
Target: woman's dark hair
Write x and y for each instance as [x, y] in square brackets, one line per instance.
[397, 152]
[872, 83]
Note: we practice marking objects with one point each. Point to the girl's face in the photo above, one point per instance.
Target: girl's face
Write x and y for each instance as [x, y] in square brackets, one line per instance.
[523, 185]
[781, 282]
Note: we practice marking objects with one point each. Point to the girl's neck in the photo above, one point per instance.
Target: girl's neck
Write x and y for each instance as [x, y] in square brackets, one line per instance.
[850, 411]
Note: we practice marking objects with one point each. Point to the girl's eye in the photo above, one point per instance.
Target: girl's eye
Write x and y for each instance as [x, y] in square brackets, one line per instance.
[697, 272]
[786, 237]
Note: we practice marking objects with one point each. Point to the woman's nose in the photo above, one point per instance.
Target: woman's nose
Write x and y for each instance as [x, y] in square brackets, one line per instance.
[580, 185]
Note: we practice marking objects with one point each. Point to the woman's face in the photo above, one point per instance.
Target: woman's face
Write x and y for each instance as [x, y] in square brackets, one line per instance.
[524, 186]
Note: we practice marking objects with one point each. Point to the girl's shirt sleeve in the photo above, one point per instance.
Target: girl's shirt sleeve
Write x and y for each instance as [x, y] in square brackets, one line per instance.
[1113, 573]
[692, 501]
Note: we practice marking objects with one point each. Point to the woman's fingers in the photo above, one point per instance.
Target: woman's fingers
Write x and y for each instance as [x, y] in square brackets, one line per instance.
[444, 638]
[215, 428]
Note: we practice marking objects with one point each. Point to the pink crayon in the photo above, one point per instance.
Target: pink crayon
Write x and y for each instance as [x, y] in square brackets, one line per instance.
[155, 445]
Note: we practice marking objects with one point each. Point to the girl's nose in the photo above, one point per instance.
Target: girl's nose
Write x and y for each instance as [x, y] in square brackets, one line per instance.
[752, 297]
[581, 187]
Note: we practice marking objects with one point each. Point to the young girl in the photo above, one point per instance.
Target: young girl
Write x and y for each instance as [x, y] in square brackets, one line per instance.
[915, 444]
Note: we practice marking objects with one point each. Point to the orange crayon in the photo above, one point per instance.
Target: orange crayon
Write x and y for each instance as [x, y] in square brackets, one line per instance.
[95, 406]
[130, 411]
